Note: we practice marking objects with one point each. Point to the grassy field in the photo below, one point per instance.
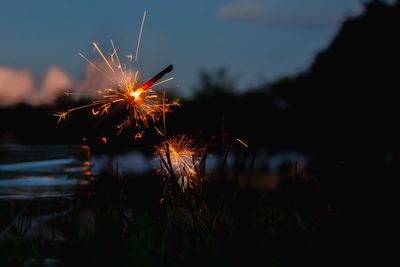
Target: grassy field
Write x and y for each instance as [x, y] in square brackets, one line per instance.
[119, 221]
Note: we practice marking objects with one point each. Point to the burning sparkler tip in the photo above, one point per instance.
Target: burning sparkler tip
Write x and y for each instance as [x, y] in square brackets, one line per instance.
[141, 102]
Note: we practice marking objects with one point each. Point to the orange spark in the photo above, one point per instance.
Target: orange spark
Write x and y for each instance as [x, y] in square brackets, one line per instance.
[138, 135]
[242, 143]
[142, 103]
[184, 157]
[104, 140]
[61, 116]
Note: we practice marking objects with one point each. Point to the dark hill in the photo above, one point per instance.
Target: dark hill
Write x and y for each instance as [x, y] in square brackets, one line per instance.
[348, 98]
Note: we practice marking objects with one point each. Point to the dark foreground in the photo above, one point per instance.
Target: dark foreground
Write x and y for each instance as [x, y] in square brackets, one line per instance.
[119, 221]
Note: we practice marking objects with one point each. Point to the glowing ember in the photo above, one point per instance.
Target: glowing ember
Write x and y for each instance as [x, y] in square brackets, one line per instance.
[61, 116]
[141, 102]
[138, 135]
[242, 143]
[136, 93]
[182, 158]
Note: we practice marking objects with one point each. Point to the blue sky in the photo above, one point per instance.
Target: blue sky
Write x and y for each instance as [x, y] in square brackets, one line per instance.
[257, 41]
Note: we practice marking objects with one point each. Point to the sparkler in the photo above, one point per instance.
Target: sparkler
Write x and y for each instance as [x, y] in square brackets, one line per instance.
[141, 102]
[182, 160]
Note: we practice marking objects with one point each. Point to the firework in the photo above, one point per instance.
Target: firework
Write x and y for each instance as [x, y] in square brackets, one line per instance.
[141, 102]
[182, 160]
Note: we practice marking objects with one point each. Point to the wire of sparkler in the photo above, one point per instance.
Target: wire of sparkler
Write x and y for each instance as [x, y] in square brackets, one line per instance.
[158, 76]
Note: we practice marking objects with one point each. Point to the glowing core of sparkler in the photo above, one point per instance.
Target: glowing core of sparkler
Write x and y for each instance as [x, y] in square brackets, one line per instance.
[136, 93]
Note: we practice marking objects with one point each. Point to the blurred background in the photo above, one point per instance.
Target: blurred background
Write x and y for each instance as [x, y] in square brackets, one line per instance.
[309, 86]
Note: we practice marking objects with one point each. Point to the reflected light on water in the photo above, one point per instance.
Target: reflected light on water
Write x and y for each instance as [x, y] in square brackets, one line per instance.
[28, 171]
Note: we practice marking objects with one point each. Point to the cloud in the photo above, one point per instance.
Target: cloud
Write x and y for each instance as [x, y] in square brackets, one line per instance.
[96, 78]
[54, 84]
[257, 11]
[15, 86]
[18, 86]
[252, 11]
